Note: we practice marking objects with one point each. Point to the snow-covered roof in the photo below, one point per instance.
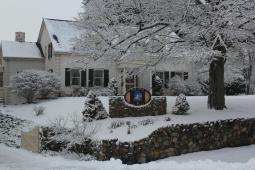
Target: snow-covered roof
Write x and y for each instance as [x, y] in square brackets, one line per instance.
[14, 49]
[62, 34]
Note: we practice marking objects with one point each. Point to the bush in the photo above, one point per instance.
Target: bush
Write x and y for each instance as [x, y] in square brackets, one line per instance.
[94, 109]
[117, 124]
[146, 122]
[50, 85]
[25, 84]
[178, 86]
[235, 87]
[157, 85]
[30, 84]
[181, 105]
[39, 110]
[113, 86]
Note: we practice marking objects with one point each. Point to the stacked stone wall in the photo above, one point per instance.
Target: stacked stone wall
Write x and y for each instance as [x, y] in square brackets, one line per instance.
[175, 140]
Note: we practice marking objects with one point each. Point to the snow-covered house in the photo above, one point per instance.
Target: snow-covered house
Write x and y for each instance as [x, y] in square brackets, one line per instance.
[54, 52]
[15, 57]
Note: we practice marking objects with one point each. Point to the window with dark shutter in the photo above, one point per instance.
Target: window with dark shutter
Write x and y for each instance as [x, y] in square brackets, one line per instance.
[91, 77]
[83, 78]
[50, 51]
[172, 74]
[67, 77]
[106, 78]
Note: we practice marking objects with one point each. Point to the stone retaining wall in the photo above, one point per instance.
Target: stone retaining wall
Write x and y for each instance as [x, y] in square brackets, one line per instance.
[118, 108]
[175, 140]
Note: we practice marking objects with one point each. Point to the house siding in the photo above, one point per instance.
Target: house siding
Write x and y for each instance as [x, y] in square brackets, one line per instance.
[11, 67]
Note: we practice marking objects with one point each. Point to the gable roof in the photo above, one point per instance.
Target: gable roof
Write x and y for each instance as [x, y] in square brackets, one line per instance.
[62, 34]
[14, 49]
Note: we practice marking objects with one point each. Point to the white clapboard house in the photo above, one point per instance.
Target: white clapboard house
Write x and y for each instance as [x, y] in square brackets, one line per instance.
[54, 52]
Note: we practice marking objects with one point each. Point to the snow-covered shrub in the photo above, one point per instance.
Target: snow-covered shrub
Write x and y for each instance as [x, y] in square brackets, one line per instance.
[193, 88]
[113, 85]
[181, 105]
[59, 123]
[94, 109]
[82, 129]
[77, 133]
[39, 110]
[177, 86]
[167, 119]
[30, 84]
[50, 85]
[26, 84]
[78, 91]
[116, 124]
[157, 85]
[99, 91]
[146, 122]
[235, 87]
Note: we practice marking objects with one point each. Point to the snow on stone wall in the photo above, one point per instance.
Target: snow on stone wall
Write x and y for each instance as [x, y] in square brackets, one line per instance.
[167, 141]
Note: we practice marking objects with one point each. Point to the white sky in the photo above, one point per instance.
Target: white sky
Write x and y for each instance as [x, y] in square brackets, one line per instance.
[26, 15]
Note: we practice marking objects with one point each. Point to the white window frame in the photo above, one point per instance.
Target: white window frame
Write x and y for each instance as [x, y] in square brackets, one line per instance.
[102, 78]
[78, 77]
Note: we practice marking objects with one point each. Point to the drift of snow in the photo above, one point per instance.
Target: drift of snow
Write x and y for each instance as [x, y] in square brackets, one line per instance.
[17, 159]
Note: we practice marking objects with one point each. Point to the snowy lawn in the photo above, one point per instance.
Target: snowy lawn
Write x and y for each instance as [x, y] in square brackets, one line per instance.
[66, 107]
[241, 158]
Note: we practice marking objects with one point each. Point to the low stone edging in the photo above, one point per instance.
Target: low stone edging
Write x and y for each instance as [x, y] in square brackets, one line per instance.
[118, 108]
[173, 140]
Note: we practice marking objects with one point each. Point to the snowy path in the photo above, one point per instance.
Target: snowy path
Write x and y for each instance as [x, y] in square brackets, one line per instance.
[242, 158]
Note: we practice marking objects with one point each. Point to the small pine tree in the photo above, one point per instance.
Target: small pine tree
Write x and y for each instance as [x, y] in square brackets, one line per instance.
[113, 85]
[94, 109]
[181, 105]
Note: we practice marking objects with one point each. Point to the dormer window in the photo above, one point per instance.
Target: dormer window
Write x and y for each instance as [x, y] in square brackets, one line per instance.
[50, 51]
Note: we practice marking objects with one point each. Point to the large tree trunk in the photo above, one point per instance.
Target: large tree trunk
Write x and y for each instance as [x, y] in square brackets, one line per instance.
[216, 97]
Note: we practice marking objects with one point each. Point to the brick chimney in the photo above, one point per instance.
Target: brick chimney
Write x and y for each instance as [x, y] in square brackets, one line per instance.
[20, 36]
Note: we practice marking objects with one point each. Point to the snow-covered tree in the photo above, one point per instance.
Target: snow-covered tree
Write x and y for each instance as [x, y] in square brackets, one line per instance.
[29, 84]
[25, 84]
[50, 84]
[113, 85]
[94, 109]
[181, 105]
[157, 85]
[207, 30]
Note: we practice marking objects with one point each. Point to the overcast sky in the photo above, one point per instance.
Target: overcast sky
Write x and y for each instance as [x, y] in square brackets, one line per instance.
[26, 15]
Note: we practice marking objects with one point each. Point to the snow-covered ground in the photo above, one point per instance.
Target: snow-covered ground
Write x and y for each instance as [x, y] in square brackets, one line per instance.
[66, 107]
[242, 158]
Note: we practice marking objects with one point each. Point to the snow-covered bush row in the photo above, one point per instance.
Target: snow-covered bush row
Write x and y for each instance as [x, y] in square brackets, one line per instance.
[99, 91]
[177, 86]
[31, 84]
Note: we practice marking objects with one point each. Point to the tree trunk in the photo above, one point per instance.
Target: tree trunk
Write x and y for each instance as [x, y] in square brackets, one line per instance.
[216, 97]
